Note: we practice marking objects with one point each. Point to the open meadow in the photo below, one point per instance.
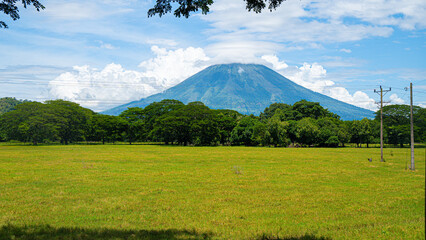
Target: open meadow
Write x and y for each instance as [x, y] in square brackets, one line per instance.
[171, 192]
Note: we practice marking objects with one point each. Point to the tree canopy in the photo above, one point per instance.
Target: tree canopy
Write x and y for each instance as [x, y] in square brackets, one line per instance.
[186, 7]
[161, 7]
[9, 7]
[173, 122]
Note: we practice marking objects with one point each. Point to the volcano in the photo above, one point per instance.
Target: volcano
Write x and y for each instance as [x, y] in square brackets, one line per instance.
[246, 88]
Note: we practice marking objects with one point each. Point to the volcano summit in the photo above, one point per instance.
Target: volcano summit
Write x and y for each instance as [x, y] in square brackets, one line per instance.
[246, 88]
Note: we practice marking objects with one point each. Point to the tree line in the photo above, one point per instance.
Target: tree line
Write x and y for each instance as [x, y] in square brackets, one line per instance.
[172, 122]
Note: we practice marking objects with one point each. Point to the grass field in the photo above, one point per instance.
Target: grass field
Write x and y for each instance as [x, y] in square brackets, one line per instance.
[170, 192]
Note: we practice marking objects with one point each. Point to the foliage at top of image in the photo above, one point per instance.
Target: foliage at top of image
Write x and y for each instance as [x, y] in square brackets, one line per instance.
[161, 7]
[186, 7]
[9, 7]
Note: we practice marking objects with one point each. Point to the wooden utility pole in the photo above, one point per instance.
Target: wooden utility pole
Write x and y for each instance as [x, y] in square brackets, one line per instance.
[412, 128]
[381, 119]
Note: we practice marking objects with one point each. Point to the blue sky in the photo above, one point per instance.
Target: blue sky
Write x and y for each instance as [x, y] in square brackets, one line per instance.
[105, 53]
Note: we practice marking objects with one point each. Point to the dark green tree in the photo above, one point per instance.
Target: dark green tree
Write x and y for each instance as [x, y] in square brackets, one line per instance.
[419, 117]
[343, 133]
[30, 122]
[304, 109]
[396, 121]
[106, 128]
[186, 7]
[191, 124]
[135, 122]
[261, 134]
[226, 121]
[72, 120]
[243, 133]
[307, 131]
[9, 7]
[355, 131]
[277, 130]
[154, 111]
[328, 131]
[283, 111]
[292, 131]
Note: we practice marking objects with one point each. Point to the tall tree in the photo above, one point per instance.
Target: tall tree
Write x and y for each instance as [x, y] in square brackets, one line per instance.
[307, 131]
[154, 111]
[226, 121]
[191, 124]
[328, 131]
[106, 128]
[278, 131]
[396, 121]
[243, 133]
[282, 110]
[30, 122]
[135, 122]
[72, 120]
[303, 109]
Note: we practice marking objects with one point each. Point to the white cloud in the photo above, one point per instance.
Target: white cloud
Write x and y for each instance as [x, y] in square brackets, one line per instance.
[360, 99]
[294, 21]
[172, 67]
[345, 50]
[114, 85]
[406, 15]
[100, 89]
[395, 99]
[314, 77]
[305, 24]
[240, 51]
[276, 63]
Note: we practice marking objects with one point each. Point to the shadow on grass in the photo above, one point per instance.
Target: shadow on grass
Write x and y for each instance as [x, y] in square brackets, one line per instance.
[47, 232]
[304, 237]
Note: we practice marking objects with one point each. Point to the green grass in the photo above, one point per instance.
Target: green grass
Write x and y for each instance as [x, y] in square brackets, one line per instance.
[170, 192]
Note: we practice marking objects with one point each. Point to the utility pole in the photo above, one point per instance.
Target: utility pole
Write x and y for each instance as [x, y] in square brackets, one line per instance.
[381, 119]
[412, 128]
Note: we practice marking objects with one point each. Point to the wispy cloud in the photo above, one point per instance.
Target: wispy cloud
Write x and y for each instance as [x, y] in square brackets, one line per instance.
[345, 50]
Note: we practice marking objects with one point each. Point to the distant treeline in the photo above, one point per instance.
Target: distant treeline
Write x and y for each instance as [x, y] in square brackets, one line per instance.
[172, 122]
[8, 104]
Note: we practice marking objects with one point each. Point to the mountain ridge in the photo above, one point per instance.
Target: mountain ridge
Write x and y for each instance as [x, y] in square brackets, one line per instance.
[246, 88]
